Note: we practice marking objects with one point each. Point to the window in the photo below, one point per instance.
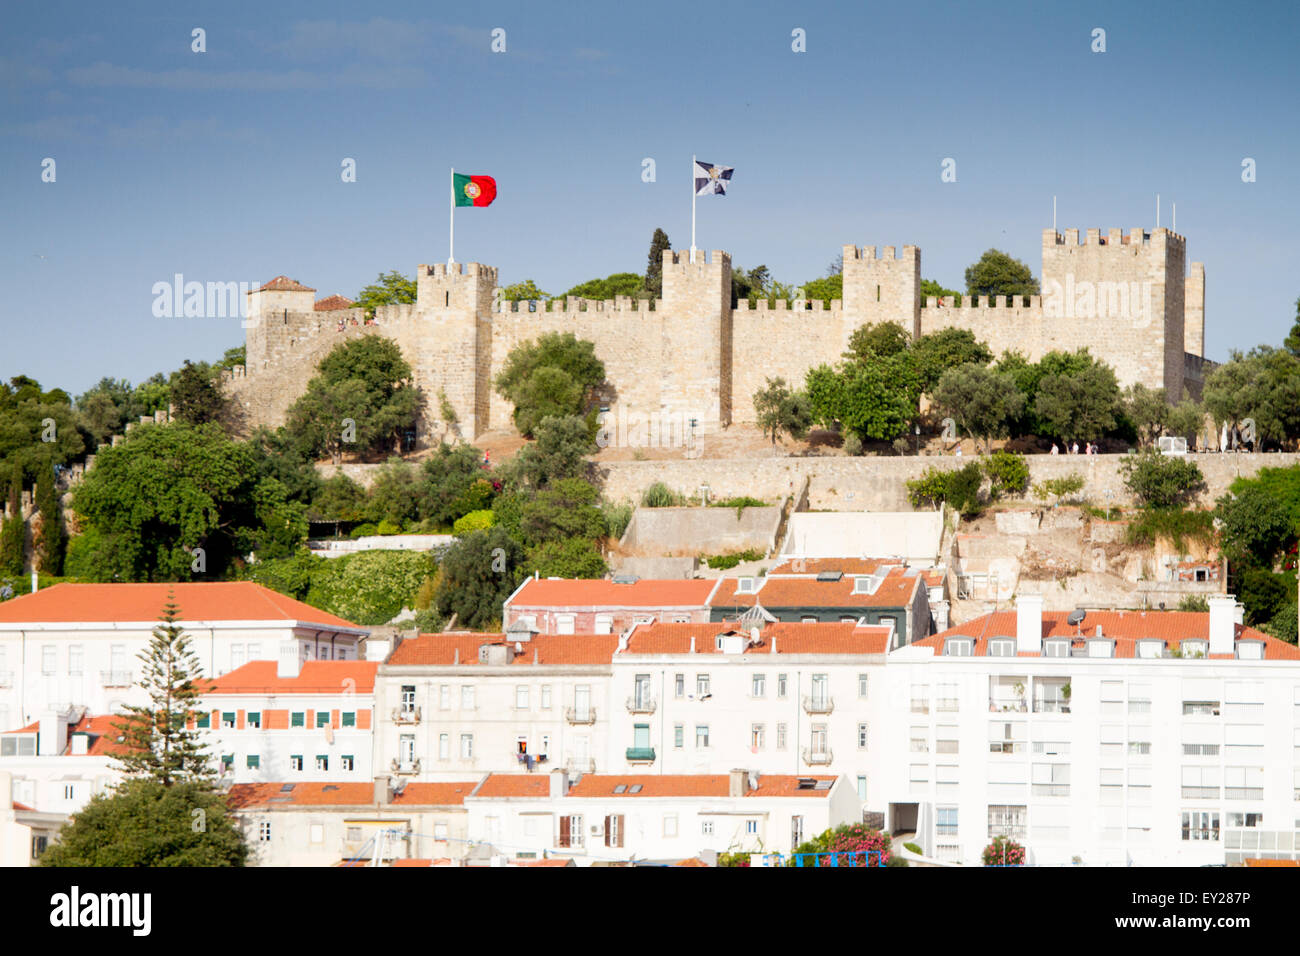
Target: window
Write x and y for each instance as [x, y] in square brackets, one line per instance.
[349, 718]
[751, 827]
[564, 623]
[862, 686]
[1243, 783]
[444, 746]
[757, 737]
[920, 698]
[862, 736]
[919, 773]
[946, 821]
[758, 686]
[780, 737]
[521, 697]
[679, 685]
[1245, 819]
[1051, 779]
[796, 830]
[862, 787]
[945, 739]
[1200, 750]
[946, 698]
[706, 827]
[1052, 748]
[958, 647]
[1194, 649]
[1057, 648]
[1006, 737]
[253, 761]
[440, 832]
[1201, 825]
[701, 735]
[819, 740]
[227, 761]
[322, 762]
[1112, 785]
[349, 762]
[679, 736]
[604, 623]
[408, 698]
[264, 831]
[406, 750]
[808, 619]
[701, 686]
[670, 824]
[1112, 740]
[74, 660]
[444, 697]
[1139, 747]
[69, 791]
[49, 660]
[322, 718]
[467, 697]
[1006, 820]
[203, 721]
[253, 720]
[1112, 697]
[1139, 782]
[297, 719]
[571, 833]
[39, 843]
[1201, 708]
[919, 740]
[1101, 648]
[466, 746]
[745, 586]
[1150, 648]
[295, 762]
[317, 833]
[1002, 647]
[546, 697]
[781, 686]
[1139, 699]
[1244, 740]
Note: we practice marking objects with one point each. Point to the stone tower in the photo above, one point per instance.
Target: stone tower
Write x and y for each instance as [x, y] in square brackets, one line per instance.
[696, 358]
[887, 289]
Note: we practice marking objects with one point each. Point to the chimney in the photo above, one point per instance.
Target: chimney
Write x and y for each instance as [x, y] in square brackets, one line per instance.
[34, 582]
[455, 656]
[383, 790]
[559, 782]
[773, 643]
[52, 735]
[80, 744]
[692, 643]
[1029, 623]
[738, 783]
[1223, 632]
[288, 663]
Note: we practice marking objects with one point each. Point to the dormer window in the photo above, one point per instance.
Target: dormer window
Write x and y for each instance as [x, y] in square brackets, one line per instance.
[1057, 648]
[865, 584]
[1101, 647]
[1250, 650]
[1194, 649]
[958, 647]
[745, 586]
[1002, 647]
[1150, 648]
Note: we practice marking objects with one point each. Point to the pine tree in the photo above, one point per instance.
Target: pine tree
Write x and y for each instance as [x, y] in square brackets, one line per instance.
[157, 743]
[53, 537]
[654, 273]
[14, 531]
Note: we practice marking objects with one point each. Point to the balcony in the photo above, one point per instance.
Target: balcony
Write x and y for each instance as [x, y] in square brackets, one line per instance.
[405, 767]
[1051, 706]
[580, 764]
[818, 704]
[580, 715]
[817, 757]
[1008, 705]
[115, 678]
[640, 754]
[406, 715]
[641, 704]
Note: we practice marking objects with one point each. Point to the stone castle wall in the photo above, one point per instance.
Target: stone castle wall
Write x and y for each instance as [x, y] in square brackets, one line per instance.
[691, 356]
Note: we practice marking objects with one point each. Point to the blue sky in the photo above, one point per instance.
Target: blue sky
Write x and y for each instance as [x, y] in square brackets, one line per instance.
[225, 165]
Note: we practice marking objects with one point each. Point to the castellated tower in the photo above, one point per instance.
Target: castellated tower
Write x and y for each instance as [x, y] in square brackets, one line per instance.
[887, 289]
[1122, 296]
[449, 338]
[695, 362]
[1194, 310]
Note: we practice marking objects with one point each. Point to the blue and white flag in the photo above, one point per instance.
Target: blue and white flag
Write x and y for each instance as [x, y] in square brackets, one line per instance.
[711, 179]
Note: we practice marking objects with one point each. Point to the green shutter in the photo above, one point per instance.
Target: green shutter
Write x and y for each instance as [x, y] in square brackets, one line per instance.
[228, 760]
[228, 717]
[254, 761]
[349, 761]
[322, 718]
[296, 718]
[349, 718]
[203, 721]
[254, 717]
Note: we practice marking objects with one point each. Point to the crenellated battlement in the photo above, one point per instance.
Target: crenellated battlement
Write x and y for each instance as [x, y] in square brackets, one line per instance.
[1135, 238]
[624, 304]
[887, 254]
[1002, 302]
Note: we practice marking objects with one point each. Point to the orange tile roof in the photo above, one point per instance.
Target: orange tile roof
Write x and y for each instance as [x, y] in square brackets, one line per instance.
[1124, 627]
[315, 677]
[332, 302]
[440, 650]
[648, 593]
[68, 603]
[285, 284]
[689, 785]
[244, 796]
[791, 637]
[547, 862]
[1249, 862]
[515, 785]
[105, 735]
[814, 566]
[896, 590]
[22, 806]
[29, 729]
[413, 862]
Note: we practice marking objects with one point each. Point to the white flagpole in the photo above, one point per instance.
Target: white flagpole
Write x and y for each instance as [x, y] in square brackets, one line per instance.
[692, 207]
[451, 194]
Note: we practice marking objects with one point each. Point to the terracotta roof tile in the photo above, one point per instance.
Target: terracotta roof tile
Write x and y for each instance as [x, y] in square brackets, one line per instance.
[332, 302]
[515, 785]
[245, 796]
[689, 785]
[791, 637]
[1124, 627]
[896, 590]
[315, 677]
[648, 593]
[208, 601]
[22, 806]
[815, 566]
[285, 284]
[440, 650]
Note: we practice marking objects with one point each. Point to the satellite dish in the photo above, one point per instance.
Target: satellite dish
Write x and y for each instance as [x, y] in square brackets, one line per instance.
[1076, 617]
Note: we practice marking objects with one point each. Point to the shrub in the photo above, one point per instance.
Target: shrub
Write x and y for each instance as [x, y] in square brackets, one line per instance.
[1174, 524]
[388, 527]
[474, 521]
[958, 488]
[723, 562]
[617, 518]
[1194, 602]
[912, 847]
[1007, 472]
[363, 530]
[1004, 852]
[660, 495]
[1070, 484]
[1161, 481]
[853, 444]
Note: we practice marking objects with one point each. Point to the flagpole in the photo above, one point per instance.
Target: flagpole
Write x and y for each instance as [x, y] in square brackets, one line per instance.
[692, 207]
[451, 195]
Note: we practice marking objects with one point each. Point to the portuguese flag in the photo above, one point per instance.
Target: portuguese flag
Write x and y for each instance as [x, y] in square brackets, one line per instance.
[473, 190]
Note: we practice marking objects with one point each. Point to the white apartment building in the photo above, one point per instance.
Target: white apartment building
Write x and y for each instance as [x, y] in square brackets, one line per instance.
[656, 817]
[291, 721]
[459, 705]
[1126, 737]
[24, 832]
[325, 824]
[78, 644]
[780, 698]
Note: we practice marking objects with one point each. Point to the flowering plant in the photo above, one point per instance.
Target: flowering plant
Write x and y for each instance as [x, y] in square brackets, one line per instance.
[1004, 852]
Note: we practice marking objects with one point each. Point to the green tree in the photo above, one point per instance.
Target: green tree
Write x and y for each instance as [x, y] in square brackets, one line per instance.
[1077, 403]
[559, 453]
[554, 376]
[882, 340]
[479, 572]
[873, 400]
[620, 283]
[1263, 385]
[195, 396]
[568, 508]
[981, 401]
[370, 587]
[156, 740]
[997, 273]
[142, 823]
[933, 290]
[453, 482]
[395, 494]
[1161, 481]
[946, 349]
[52, 540]
[1255, 524]
[780, 409]
[827, 289]
[568, 558]
[391, 288]
[1292, 341]
[523, 291]
[1148, 410]
[1008, 473]
[654, 272]
[13, 530]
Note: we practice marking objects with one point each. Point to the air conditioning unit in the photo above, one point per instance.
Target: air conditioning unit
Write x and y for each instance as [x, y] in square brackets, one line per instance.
[597, 829]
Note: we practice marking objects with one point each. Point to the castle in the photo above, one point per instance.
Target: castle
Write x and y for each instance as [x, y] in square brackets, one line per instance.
[693, 356]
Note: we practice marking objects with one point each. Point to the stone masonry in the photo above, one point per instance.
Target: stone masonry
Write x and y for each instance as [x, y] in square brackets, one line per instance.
[691, 356]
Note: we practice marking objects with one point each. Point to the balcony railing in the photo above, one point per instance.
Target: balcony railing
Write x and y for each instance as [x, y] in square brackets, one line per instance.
[406, 715]
[580, 765]
[1051, 707]
[115, 678]
[1008, 705]
[640, 754]
[813, 757]
[405, 767]
[1200, 793]
[642, 704]
[580, 715]
[818, 704]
